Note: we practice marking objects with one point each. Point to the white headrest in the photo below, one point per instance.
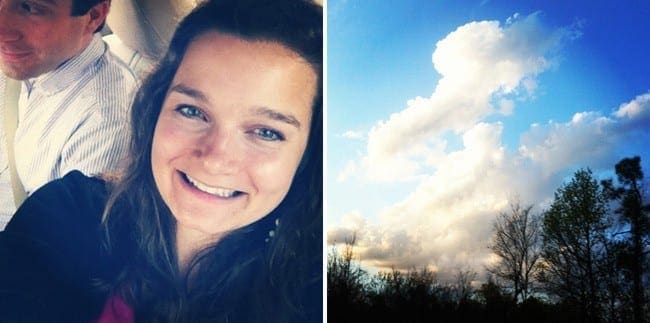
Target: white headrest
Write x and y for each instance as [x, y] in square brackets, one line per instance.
[146, 26]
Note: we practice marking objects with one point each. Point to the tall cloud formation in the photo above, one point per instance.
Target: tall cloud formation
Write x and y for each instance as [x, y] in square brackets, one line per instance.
[446, 222]
[483, 65]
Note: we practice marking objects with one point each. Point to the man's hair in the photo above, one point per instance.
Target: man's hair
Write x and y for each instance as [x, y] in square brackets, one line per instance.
[81, 7]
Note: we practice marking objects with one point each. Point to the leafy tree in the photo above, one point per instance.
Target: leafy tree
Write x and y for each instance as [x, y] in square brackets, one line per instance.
[574, 241]
[517, 243]
[635, 214]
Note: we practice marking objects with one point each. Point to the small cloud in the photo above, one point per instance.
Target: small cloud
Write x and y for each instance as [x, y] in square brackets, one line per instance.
[353, 134]
[349, 169]
[340, 236]
[635, 108]
[506, 107]
[574, 31]
[634, 116]
[587, 138]
[351, 227]
[512, 18]
[530, 86]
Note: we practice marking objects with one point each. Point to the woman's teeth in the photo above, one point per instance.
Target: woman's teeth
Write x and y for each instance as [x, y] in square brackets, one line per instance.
[217, 191]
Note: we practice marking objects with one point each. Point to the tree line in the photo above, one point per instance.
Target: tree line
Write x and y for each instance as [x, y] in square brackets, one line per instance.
[583, 259]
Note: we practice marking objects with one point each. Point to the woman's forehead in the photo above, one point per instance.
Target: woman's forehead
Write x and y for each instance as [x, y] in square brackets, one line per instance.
[222, 67]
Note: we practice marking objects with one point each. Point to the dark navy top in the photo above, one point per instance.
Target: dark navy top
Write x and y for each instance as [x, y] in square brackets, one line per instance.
[50, 254]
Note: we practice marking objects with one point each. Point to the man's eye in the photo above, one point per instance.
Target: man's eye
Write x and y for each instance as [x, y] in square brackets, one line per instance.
[28, 8]
[268, 134]
[191, 112]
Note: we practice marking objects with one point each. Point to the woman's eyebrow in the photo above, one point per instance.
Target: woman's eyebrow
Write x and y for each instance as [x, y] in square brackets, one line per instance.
[184, 89]
[276, 115]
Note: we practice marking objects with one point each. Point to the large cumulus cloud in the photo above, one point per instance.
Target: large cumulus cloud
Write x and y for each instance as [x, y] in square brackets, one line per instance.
[446, 221]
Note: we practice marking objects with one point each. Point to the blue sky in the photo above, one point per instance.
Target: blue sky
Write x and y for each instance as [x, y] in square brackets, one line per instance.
[442, 112]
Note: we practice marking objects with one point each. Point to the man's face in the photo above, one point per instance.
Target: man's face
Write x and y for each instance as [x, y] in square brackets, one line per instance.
[37, 36]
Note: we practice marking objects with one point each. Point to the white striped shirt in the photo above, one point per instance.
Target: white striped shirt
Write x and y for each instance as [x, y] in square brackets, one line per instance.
[75, 117]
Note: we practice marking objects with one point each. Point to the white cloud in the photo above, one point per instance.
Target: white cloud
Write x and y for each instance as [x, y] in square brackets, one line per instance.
[633, 108]
[589, 137]
[351, 226]
[636, 111]
[446, 222]
[555, 145]
[429, 228]
[506, 107]
[479, 62]
[512, 18]
[351, 134]
[349, 170]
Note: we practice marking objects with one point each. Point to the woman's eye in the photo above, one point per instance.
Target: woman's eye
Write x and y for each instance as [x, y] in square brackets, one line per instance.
[191, 112]
[268, 134]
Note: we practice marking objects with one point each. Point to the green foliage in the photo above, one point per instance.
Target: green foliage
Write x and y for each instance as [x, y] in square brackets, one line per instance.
[574, 245]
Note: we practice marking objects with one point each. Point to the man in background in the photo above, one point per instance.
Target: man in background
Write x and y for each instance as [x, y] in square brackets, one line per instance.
[74, 95]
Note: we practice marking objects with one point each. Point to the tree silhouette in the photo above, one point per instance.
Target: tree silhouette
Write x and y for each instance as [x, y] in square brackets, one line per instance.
[585, 268]
[346, 290]
[463, 284]
[517, 243]
[635, 213]
[498, 305]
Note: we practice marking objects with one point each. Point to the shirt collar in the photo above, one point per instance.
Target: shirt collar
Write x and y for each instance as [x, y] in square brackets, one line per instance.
[71, 70]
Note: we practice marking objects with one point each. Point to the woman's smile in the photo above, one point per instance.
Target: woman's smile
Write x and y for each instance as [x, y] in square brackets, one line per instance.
[221, 192]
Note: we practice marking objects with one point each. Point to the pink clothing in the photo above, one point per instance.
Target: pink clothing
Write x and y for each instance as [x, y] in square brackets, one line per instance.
[115, 311]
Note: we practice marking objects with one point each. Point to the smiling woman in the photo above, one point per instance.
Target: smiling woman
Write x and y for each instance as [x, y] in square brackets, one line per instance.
[218, 215]
[220, 161]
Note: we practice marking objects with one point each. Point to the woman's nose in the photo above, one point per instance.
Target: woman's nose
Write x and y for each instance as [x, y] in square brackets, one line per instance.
[220, 152]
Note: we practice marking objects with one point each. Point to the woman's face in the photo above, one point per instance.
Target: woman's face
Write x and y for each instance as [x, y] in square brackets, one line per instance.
[231, 132]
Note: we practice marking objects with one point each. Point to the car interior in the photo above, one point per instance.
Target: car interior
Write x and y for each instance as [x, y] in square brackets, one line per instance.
[138, 31]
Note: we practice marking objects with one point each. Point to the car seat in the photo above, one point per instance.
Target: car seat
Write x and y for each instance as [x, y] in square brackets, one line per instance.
[142, 29]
